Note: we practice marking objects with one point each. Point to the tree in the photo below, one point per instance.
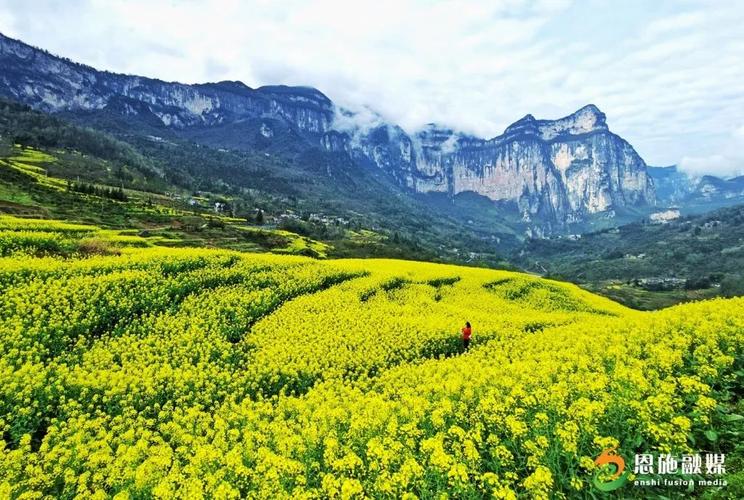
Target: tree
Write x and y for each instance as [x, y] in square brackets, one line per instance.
[732, 286]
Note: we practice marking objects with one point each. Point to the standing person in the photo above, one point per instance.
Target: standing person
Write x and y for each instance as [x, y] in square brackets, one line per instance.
[466, 333]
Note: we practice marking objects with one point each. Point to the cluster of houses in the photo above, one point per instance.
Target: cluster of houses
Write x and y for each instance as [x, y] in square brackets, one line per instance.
[318, 218]
[198, 200]
[659, 283]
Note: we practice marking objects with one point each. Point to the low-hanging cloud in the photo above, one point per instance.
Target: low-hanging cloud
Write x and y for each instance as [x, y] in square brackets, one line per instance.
[728, 163]
[360, 119]
[669, 75]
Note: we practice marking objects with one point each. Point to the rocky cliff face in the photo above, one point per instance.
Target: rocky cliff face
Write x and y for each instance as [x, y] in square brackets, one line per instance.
[54, 84]
[557, 171]
[554, 172]
[672, 185]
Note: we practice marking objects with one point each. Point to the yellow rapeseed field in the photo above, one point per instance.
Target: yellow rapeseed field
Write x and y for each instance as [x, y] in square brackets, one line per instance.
[185, 373]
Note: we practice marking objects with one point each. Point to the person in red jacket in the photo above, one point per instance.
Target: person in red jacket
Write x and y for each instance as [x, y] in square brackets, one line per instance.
[466, 333]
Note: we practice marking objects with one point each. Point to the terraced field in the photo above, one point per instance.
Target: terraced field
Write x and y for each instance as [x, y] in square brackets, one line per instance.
[35, 183]
[193, 373]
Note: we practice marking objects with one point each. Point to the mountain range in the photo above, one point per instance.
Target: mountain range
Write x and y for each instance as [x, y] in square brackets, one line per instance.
[540, 177]
[695, 194]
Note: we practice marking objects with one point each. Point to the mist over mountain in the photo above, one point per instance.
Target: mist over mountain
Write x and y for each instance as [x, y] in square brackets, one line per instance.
[695, 194]
[552, 176]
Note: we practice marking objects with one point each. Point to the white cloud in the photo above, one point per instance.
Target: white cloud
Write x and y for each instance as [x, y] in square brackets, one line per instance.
[728, 163]
[676, 22]
[360, 119]
[719, 165]
[669, 75]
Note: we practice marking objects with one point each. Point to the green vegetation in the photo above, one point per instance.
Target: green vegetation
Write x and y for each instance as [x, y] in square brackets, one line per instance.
[130, 216]
[165, 179]
[648, 266]
[38, 237]
[640, 298]
[111, 157]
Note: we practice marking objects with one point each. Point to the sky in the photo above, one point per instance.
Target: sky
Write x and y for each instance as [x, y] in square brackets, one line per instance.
[668, 74]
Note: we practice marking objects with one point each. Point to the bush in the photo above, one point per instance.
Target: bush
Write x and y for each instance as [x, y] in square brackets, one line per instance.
[697, 283]
[732, 286]
[97, 246]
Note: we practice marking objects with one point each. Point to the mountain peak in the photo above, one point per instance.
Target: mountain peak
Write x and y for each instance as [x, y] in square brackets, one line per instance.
[526, 125]
[589, 108]
[234, 84]
[589, 113]
[236, 87]
[295, 92]
[583, 121]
